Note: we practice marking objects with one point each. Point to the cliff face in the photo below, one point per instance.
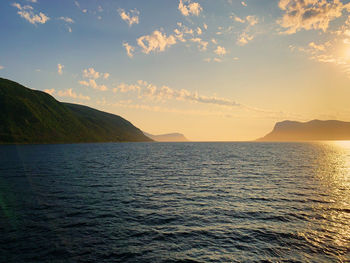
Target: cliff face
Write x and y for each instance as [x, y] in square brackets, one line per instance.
[309, 131]
[30, 116]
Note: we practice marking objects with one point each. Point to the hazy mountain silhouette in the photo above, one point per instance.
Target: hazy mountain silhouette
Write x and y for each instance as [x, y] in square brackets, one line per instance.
[170, 137]
[31, 116]
[309, 131]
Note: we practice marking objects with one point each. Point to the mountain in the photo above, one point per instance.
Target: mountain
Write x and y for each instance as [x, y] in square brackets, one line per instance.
[31, 116]
[309, 131]
[170, 137]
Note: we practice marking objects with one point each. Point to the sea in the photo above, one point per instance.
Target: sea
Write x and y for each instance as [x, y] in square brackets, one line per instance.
[175, 202]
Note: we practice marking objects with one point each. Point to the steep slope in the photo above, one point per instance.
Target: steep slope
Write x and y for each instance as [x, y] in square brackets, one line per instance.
[30, 116]
[309, 131]
[170, 137]
[106, 126]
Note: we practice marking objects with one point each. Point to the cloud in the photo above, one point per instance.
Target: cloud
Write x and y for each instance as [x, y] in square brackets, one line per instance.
[32, 1]
[129, 49]
[92, 83]
[27, 12]
[60, 69]
[71, 94]
[244, 38]
[309, 14]
[1, 67]
[66, 19]
[157, 41]
[123, 88]
[317, 47]
[91, 73]
[183, 31]
[131, 17]
[334, 51]
[238, 19]
[246, 35]
[84, 83]
[218, 60]
[220, 51]
[147, 91]
[187, 7]
[252, 20]
[202, 45]
[151, 91]
[50, 91]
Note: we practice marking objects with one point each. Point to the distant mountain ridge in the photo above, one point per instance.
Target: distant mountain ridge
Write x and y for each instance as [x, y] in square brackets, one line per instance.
[170, 137]
[309, 131]
[31, 116]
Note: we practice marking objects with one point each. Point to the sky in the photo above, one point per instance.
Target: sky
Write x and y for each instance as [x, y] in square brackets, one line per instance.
[214, 70]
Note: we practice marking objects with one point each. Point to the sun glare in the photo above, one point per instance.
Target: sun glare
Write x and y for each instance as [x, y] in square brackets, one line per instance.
[347, 52]
[342, 144]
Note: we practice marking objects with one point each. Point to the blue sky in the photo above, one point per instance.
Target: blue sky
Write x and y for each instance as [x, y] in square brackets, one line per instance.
[213, 70]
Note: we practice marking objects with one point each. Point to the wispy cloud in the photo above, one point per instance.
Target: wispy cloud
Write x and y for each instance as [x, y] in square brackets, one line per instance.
[50, 91]
[1, 67]
[317, 47]
[129, 49]
[131, 17]
[66, 19]
[182, 32]
[246, 35]
[157, 41]
[202, 45]
[310, 14]
[92, 75]
[60, 69]
[244, 38]
[335, 51]
[238, 19]
[187, 7]
[151, 91]
[71, 94]
[148, 91]
[77, 4]
[92, 83]
[27, 12]
[220, 51]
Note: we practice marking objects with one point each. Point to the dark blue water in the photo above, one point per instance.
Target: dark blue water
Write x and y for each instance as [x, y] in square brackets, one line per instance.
[175, 202]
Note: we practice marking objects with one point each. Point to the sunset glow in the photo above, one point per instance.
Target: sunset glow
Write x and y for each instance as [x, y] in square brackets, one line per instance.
[213, 70]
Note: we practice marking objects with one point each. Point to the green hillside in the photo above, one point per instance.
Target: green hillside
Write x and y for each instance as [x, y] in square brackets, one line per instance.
[30, 116]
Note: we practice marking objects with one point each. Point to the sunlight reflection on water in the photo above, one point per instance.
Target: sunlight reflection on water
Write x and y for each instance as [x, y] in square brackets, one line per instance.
[333, 174]
[183, 202]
